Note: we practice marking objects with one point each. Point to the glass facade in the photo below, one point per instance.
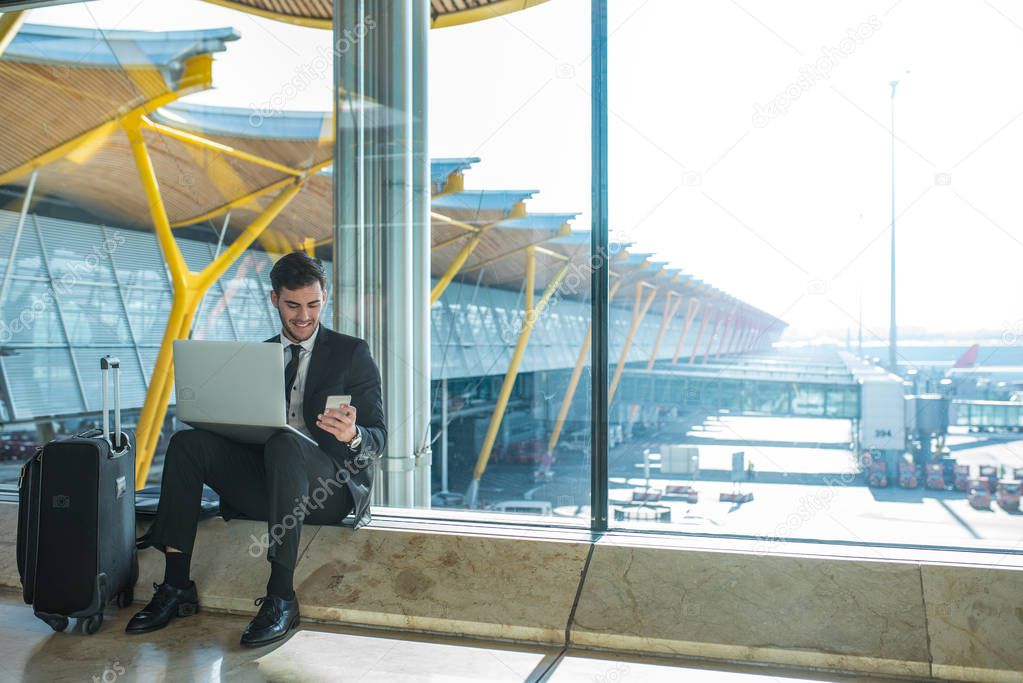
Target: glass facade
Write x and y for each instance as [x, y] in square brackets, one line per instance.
[469, 209]
[823, 384]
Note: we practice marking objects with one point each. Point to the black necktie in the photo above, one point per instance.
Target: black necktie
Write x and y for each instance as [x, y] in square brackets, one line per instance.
[290, 372]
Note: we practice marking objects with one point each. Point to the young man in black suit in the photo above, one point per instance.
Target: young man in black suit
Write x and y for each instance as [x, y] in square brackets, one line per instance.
[287, 480]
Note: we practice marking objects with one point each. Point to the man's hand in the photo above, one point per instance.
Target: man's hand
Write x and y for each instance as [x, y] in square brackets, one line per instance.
[338, 421]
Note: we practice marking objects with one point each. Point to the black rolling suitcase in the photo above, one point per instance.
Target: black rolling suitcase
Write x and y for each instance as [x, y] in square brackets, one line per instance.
[76, 522]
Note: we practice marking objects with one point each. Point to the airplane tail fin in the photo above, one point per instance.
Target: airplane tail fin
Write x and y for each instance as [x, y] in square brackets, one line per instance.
[968, 359]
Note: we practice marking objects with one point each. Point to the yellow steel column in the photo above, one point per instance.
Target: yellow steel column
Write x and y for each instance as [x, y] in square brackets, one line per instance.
[710, 339]
[188, 289]
[670, 309]
[736, 334]
[529, 320]
[728, 328]
[456, 265]
[751, 334]
[198, 284]
[699, 335]
[573, 381]
[179, 308]
[10, 23]
[639, 309]
[691, 311]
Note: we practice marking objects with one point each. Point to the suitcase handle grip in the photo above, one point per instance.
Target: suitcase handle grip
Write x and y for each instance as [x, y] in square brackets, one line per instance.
[105, 364]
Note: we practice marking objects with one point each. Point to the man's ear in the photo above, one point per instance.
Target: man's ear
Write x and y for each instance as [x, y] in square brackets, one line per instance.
[273, 298]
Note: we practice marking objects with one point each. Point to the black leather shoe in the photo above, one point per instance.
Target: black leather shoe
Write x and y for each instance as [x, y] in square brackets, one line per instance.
[275, 618]
[167, 603]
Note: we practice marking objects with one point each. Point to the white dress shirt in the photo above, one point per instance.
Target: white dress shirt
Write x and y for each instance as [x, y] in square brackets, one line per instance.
[295, 418]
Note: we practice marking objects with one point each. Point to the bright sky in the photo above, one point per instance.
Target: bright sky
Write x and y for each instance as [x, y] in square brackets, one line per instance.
[789, 212]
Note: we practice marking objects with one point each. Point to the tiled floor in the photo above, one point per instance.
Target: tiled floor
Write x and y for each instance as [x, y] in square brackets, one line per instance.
[205, 648]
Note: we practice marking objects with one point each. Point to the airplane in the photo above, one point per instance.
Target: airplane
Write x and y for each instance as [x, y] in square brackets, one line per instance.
[969, 380]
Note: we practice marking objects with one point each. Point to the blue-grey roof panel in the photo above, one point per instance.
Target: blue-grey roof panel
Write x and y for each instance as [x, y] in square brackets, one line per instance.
[539, 221]
[246, 122]
[440, 169]
[92, 47]
[483, 200]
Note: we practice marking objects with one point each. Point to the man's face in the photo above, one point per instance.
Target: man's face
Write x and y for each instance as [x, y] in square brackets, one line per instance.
[299, 309]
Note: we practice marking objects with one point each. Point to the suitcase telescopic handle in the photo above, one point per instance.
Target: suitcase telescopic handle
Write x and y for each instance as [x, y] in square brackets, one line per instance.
[105, 364]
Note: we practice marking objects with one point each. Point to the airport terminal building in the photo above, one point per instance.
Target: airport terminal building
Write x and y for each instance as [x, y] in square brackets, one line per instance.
[606, 456]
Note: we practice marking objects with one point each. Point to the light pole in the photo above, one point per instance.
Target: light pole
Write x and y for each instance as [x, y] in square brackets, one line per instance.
[892, 334]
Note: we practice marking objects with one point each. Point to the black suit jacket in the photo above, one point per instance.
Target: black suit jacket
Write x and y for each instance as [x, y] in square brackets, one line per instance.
[341, 364]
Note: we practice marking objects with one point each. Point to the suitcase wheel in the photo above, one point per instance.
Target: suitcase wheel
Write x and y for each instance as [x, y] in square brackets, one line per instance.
[57, 623]
[91, 624]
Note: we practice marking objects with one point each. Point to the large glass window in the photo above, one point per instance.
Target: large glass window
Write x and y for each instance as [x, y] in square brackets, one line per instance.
[509, 142]
[810, 327]
[228, 109]
[759, 155]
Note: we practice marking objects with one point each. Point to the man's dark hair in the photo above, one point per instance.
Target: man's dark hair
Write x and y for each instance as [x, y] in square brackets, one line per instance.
[295, 271]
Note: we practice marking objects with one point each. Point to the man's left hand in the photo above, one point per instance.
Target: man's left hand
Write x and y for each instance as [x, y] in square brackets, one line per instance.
[338, 421]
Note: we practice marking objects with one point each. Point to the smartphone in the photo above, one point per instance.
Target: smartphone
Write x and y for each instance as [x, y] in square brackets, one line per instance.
[336, 402]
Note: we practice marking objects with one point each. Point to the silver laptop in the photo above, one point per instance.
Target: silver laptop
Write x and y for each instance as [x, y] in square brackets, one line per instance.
[235, 389]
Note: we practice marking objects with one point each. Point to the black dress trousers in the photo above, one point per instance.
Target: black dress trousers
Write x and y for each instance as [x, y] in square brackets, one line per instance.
[286, 481]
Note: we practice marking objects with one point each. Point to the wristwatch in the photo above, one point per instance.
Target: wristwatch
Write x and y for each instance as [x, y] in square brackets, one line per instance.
[356, 440]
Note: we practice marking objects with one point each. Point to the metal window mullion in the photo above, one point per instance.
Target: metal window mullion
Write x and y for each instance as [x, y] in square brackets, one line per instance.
[600, 275]
[8, 276]
[9, 271]
[60, 313]
[124, 307]
[7, 391]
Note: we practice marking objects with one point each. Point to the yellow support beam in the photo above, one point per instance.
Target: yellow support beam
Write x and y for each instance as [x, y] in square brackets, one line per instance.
[437, 216]
[728, 328]
[197, 75]
[251, 196]
[639, 309]
[703, 326]
[461, 257]
[454, 184]
[189, 288]
[691, 311]
[458, 264]
[10, 24]
[147, 175]
[573, 380]
[528, 321]
[670, 309]
[193, 139]
[452, 271]
[309, 247]
[535, 245]
[710, 339]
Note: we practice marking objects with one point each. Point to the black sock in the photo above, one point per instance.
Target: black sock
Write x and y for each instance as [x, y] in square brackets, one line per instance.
[176, 572]
[280, 583]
